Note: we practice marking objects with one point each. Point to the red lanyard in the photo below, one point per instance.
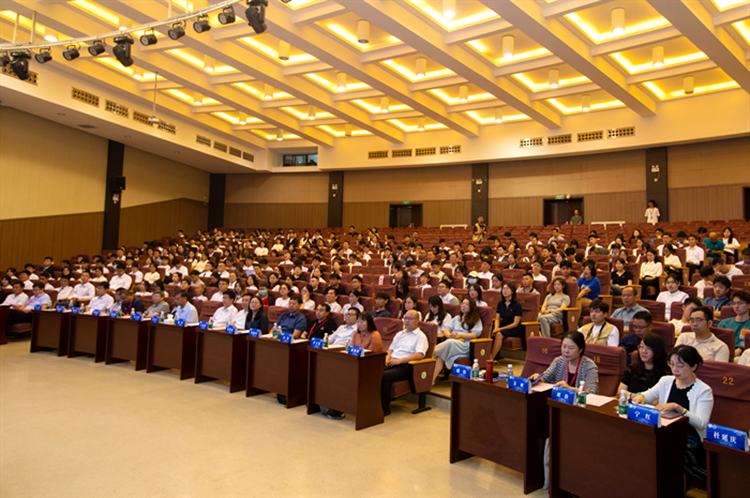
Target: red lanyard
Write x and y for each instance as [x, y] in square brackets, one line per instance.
[576, 374]
[316, 325]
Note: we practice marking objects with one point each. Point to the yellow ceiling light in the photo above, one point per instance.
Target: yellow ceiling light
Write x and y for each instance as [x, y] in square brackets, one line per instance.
[727, 85]
[274, 53]
[348, 132]
[50, 35]
[363, 32]
[208, 64]
[97, 10]
[463, 94]
[333, 86]
[345, 34]
[243, 118]
[594, 107]
[493, 120]
[384, 104]
[449, 9]
[498, 115]
[442, 95]
[451, 24]
[671, 61]
[618, 21]
[279, 135]
[340, 82]
[184, 5]
[727, 4]
[250, 89]
[114, 64]
[508, 46]
[538, 87]
[414, 128]
[180, 94]
[554, 78]
[598, 36]
[743, 27]
[311, 114]
[657, 56]
[267, 92]
[412, 75]
[284, 50]
[227, 117]
[23, 21]
[187, 57]
[197, 98]
[479, 46]
[421, 68]
[375, 109]
[586, 102]
[688, 85]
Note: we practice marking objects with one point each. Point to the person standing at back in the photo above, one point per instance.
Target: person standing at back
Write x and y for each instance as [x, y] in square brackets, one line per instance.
[652, 213]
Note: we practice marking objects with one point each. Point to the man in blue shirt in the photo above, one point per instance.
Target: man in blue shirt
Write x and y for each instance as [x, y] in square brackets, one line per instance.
[185, 310]
[293, 322]
[627, 312]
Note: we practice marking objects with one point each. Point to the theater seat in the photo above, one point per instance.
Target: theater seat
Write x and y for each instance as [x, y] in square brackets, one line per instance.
[665, 331]
[208, 309]
[274, 312]
[540, 352]
[656, 309]
[388, 328]
[422, 371]
[611, 363]
[731, 388]
[481, 347]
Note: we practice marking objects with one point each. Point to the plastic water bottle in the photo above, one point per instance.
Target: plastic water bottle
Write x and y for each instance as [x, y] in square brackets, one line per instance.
[581, 399]
[475, 370]
[622, 408]
[325, 341]
[211, 323]
[509, 375]
[161, 318]
[348, 345]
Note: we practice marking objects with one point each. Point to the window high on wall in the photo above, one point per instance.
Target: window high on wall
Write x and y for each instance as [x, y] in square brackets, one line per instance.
[300, 160]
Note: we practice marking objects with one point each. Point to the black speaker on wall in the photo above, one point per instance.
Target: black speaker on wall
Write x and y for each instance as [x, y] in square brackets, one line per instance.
[118, 183]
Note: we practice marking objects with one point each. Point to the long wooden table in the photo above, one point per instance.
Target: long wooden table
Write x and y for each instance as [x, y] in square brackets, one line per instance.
[346, 383]
[277, 367]
[504, 426]
[594, 453]
[126, 341]
[49, 331]
[219, 355]
[170, 346]
[728, 471]
[88, 335]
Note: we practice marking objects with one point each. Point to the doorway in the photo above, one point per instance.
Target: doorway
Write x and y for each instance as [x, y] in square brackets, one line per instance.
[559, 211]
[405, 215]
[746, 197]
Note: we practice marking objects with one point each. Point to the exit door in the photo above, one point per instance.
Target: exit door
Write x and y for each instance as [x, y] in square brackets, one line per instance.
[560, 211]
[404, 216]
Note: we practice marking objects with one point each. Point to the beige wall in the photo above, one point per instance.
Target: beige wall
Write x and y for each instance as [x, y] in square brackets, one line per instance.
[723, 162]
[47, 168]
[283, 188]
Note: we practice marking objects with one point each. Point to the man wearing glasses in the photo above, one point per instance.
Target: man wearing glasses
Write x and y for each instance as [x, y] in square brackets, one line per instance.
[345, 332]
[701, 338]
[640, 325]
[630, 308]
[740, 324]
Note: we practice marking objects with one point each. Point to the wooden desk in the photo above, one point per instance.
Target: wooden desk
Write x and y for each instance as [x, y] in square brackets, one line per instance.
[594, 452]
[347, 383]
[728, 471]
[219, 355]
[88, 335]
[4, 313]
[126, 341]
[277, 367]
[170, 346]
[49, 331]
[504, 426]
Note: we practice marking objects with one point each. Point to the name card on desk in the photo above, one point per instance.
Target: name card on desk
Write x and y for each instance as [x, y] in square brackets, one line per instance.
[112, 314]
[462, 371]
[564, 395]
[520, 384]
[726, 436]
[287, 338]
[356, 351]
[644, 414]
[137, 317]
[180, 322]
[60, 309]
[75, 310]
[231, 329]
[203, 325]
[316, 343]
[38, 307]
[254, 333]
[155, 319]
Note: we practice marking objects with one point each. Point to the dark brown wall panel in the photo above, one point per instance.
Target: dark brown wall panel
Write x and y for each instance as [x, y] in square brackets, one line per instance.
[161, 219]
[720, 202]
[275, 215]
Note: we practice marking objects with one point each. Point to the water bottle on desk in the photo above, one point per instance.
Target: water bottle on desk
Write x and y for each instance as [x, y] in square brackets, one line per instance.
[348, 345]
[211, 323]
[475, 370]
[325, 341]
[509, 375]
[581, 398]
[622, 408]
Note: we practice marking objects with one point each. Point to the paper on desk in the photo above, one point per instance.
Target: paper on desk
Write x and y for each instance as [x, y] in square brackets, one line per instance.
[597, 400]
[541, 387]
[295, 341]
[665, 421]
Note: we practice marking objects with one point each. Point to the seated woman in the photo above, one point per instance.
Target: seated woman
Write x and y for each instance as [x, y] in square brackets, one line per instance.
[650, 365]
[307, 301]
[651, 270]
[553, 305]
[410, 303]
[507, 319]
[464, 327]
[589, 286]
[475, 293]
[437, 314]
[256, 317]
[367, 334]
[621, 278]
[683, 393]
[672, 264]
[285, 294]
[572, 367]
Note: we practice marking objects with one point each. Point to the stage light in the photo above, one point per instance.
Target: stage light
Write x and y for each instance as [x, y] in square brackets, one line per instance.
[420, 124]
[201, 24]
[449, 9]
[19, 64]
[618, 21]
[227, 15]
[208, 64]
[363, 32]
[341, 82]
[43, 56]
[122, 50]
[385, 104]
[97, 48]
[311, 112]
[657, 56]
[4, 59]
[688, 84]
[177, 30]
[586, 102]
[554, 78]
[256, 15]
[71, 53]
[149, 38]
[50, 35]
[279, 135]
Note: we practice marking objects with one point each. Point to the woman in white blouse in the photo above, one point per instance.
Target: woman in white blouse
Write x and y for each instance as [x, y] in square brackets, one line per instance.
[730, 244]
[437, 314]
[261, 250]
[651, 270]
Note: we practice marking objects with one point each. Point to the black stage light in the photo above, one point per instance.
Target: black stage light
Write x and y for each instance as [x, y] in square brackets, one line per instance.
[20, 64]
[97, 48]
[177, 30]
[122, 50]
[149, 38]
[256, 15]
[71, 53]
[227, 16]
[43, 56]
[201, 24]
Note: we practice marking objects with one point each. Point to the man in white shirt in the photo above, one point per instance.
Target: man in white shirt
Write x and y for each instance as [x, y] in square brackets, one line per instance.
[102, 301]
[225, 315]
[120, 280]
[18, 298]
[444, 291]
[240, 319]
[179, 268]
[345, 332]
[185, 309]
[729, 271]
[701, 338]
[85, 290]
[221, 269]
[599, 331]
[592, 247]
[332, 300]
[689, 305]
[64, 292]
[707, 280]
[223, 287]
[411, 344]
[484, 269]
[22, 314]
[694, 254]
[25, 277]
[673, 294]
[208, 270]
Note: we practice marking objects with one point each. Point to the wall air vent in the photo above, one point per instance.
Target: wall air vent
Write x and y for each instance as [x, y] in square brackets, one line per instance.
[450, 149]
[425, 151]
[628, 131]
[220, 146]
[33, 77]
[235, 152]
[85, 97]
[560, 139]
[248, 157]
[141, 118]
[169, 128]
[531, 142]
[203, 140]
[590, 136]
[377, 154]
[401, 153]
[116, 108]
[87, 126]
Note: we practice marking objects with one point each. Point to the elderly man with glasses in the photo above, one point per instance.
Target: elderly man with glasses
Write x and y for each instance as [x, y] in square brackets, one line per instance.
[701, 338]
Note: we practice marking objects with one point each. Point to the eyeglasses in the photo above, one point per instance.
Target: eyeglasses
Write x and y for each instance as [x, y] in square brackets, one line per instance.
[738, 303]
[676, 366]
[697, 320]
[637, 327]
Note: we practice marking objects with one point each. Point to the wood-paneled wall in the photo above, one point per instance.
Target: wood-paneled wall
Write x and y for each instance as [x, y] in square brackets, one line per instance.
[160, 219]
[29, 240]
[366, 214]
[615, 206]
[275, 215]
[516, 211]
[436, 213]
[721, 202]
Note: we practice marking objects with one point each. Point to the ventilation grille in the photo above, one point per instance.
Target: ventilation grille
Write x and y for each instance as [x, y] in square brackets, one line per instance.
[33, 77]
[203, 140]
[560, 139]
[169, 128]
[116, 108]
[141, 118]
[621, 132]
[425, 151]
[377, 154]
[248, 157]
[531, 142]
[590, 135]
[220, 146]
[450, 149]
[235, 152]
[401, 153]
[85, 97]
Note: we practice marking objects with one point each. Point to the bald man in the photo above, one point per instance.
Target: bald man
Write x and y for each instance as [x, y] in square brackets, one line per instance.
[409, 345]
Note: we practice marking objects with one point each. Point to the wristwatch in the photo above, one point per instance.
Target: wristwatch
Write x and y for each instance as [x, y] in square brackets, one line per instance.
[684, 411]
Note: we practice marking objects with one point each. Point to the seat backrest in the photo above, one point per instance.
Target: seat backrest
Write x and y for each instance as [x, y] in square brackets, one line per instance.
[388, 328]
[689, 290]
[488, 317]
[725, 335]
[430, 330]
[428, 293]
[730, 384]
[571, 289]
[208, 309]
[388, 289]
[665, 331]
[727, 312]
[338, 318]
[741, 282]
[540, 351]
[530, 304]
[394, 306]
[492, 297]
[274, 312]
[656, 309]
[309, 314]
[611, 363]
[451, 309]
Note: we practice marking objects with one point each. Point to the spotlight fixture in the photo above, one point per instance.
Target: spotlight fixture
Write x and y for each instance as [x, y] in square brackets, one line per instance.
[227, 15]
[284, 50]
[586, 102]
[177, 30]
[348, 130]
[463, 94]
[554, 77]
[122, 50]
[449, 9]
[243, 119]
[279, 135]
[201, 24]
[267, 92]
[208, 64]
[43, 56]
[688, 84]
[256, 15]
[148, 38]
[19, 64]
[363, 32]
[197, 98]
[508, 42]
[4, 59]
[71, 53]
[97, 48]
[657, 56]
[421, 67]
[498, 115]
[385, 104]
[420, 124]
[341, 82]
[311, 112]
[618, 21]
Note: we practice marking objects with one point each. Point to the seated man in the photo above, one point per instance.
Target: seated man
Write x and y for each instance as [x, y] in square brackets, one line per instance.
[85, 290]
[331, 300]
[600, 331]
[484, 269]
[721, 297]
[701, 338]
[630, 308]
[714, 246]
[128, 303]
[740, 322]
[411, 344]
[707, 280]
[103, 301]
[640, 325]
[25, 277]
[673, 294]
[722, 268]
[322, 325]
[345, 332]
[159, 307]
[381, 301]
[22, 313]
[293, 322]
[185, 309]
[223, 287]
[18, 297]
[689, 306]
[527, 284]
[224, 315]
[120, 280]
[444, 291]
[64, 292]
